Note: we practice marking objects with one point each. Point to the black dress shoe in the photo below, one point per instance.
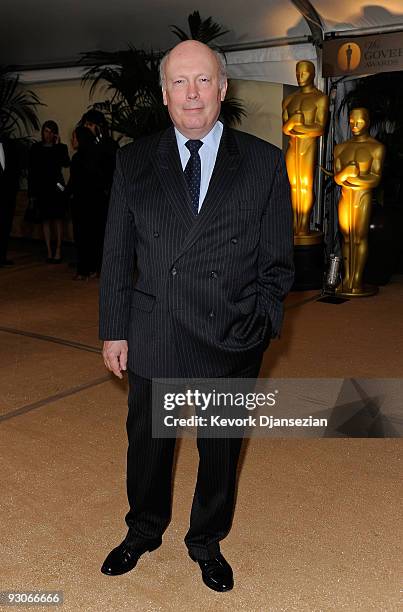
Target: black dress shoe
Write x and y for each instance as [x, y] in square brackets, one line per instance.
[216, 573]
[123, 558]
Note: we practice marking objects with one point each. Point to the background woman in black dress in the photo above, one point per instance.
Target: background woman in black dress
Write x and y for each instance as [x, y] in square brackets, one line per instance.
[46, 184]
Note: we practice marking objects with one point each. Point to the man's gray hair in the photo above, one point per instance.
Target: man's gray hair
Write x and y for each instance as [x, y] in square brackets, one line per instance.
[222, 68]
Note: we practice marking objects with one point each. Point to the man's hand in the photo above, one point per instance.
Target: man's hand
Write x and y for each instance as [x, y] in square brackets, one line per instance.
[114, 353]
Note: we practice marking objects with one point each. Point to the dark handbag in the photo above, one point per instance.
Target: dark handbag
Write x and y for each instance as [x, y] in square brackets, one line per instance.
[32, 213]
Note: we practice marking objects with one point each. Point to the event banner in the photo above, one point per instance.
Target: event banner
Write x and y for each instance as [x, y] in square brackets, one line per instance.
[363, 55]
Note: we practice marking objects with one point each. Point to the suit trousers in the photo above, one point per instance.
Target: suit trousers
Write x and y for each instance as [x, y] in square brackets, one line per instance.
[149, 478]
[85, 241]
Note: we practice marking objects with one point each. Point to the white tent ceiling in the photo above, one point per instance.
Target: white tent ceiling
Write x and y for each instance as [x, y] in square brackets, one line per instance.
[36, 32]
[49, 31]
[339, 15]
[44, 33]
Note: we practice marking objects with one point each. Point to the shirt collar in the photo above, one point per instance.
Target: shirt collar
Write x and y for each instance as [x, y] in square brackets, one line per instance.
[211, 140]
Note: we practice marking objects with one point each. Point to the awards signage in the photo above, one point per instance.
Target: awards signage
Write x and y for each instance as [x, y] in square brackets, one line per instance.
[363, 55]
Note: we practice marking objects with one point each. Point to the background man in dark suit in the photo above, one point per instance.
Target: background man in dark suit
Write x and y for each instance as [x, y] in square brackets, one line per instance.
[197, 261]
[9, 177]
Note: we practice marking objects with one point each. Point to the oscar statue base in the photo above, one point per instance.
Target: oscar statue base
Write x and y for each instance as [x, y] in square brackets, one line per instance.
[365, 291]
[308, 261]
[314, 237]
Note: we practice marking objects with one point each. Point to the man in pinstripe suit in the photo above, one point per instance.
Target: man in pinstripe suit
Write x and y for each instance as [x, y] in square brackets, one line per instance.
[197, 262]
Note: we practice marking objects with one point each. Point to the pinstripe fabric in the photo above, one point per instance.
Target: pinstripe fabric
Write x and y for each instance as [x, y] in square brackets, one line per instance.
[149, 475]
[196, 296]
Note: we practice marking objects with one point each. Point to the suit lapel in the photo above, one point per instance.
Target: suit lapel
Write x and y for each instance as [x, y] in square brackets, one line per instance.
[167, 165]
[168, 168]
[222, 179]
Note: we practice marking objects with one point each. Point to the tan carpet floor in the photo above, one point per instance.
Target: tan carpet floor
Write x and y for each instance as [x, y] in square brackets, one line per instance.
[316, 526]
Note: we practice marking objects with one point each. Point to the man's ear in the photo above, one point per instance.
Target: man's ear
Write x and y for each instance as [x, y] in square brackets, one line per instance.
[164, 97]
[223, 91]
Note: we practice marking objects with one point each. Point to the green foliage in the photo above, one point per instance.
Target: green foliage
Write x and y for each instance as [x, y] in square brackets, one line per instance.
[135, 107]
[204, 30]
[382, 95]
[17, 106]
[132, 77]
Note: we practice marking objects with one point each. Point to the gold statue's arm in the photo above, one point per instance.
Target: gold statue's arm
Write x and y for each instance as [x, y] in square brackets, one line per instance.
[318, 127]
[295, 120]
[290, 122]
[342, 175]
[373, 178]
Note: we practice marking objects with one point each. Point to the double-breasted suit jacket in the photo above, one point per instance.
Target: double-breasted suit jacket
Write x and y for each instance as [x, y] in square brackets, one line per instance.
[196, 296]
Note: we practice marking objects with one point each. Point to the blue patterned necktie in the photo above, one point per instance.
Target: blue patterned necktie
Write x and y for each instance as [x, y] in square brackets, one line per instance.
[192, 173]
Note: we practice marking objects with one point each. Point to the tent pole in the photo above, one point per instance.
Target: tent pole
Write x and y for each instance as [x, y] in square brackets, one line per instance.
[319, 200]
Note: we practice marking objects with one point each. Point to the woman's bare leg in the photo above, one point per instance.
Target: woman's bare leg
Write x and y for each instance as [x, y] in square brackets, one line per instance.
[59, 233]
[46, 234]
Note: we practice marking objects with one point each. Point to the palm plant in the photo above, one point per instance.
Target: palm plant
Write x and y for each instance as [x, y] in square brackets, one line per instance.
[17, 106]
[17, 115]
[204, 30]
[135, 107]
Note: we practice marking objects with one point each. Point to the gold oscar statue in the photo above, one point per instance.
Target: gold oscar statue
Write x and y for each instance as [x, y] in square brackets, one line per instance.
[304, 120]
[358, 166]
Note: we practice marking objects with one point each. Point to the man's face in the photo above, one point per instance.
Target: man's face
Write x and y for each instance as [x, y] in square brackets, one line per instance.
[305, 73]
[91, 126]
[48, 136]
[192, 89]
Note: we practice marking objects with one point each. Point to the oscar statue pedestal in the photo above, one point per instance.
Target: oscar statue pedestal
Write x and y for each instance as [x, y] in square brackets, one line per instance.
[308, 261]
[364, 291]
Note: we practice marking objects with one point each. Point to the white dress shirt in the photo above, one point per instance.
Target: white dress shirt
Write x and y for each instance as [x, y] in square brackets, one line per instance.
[208, 154]
[2, 157]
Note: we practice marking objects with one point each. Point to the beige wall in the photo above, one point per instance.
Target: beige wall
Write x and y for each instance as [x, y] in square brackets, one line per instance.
[66, 101]
[263, 105]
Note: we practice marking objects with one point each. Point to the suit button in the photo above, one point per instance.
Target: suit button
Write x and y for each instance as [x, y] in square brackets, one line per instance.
[211, 314]
[213, 274]
[174, 271]
[156, 234]
[234, 240]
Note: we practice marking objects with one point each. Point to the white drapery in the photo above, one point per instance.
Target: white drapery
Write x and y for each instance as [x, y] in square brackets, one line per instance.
[273, 64]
